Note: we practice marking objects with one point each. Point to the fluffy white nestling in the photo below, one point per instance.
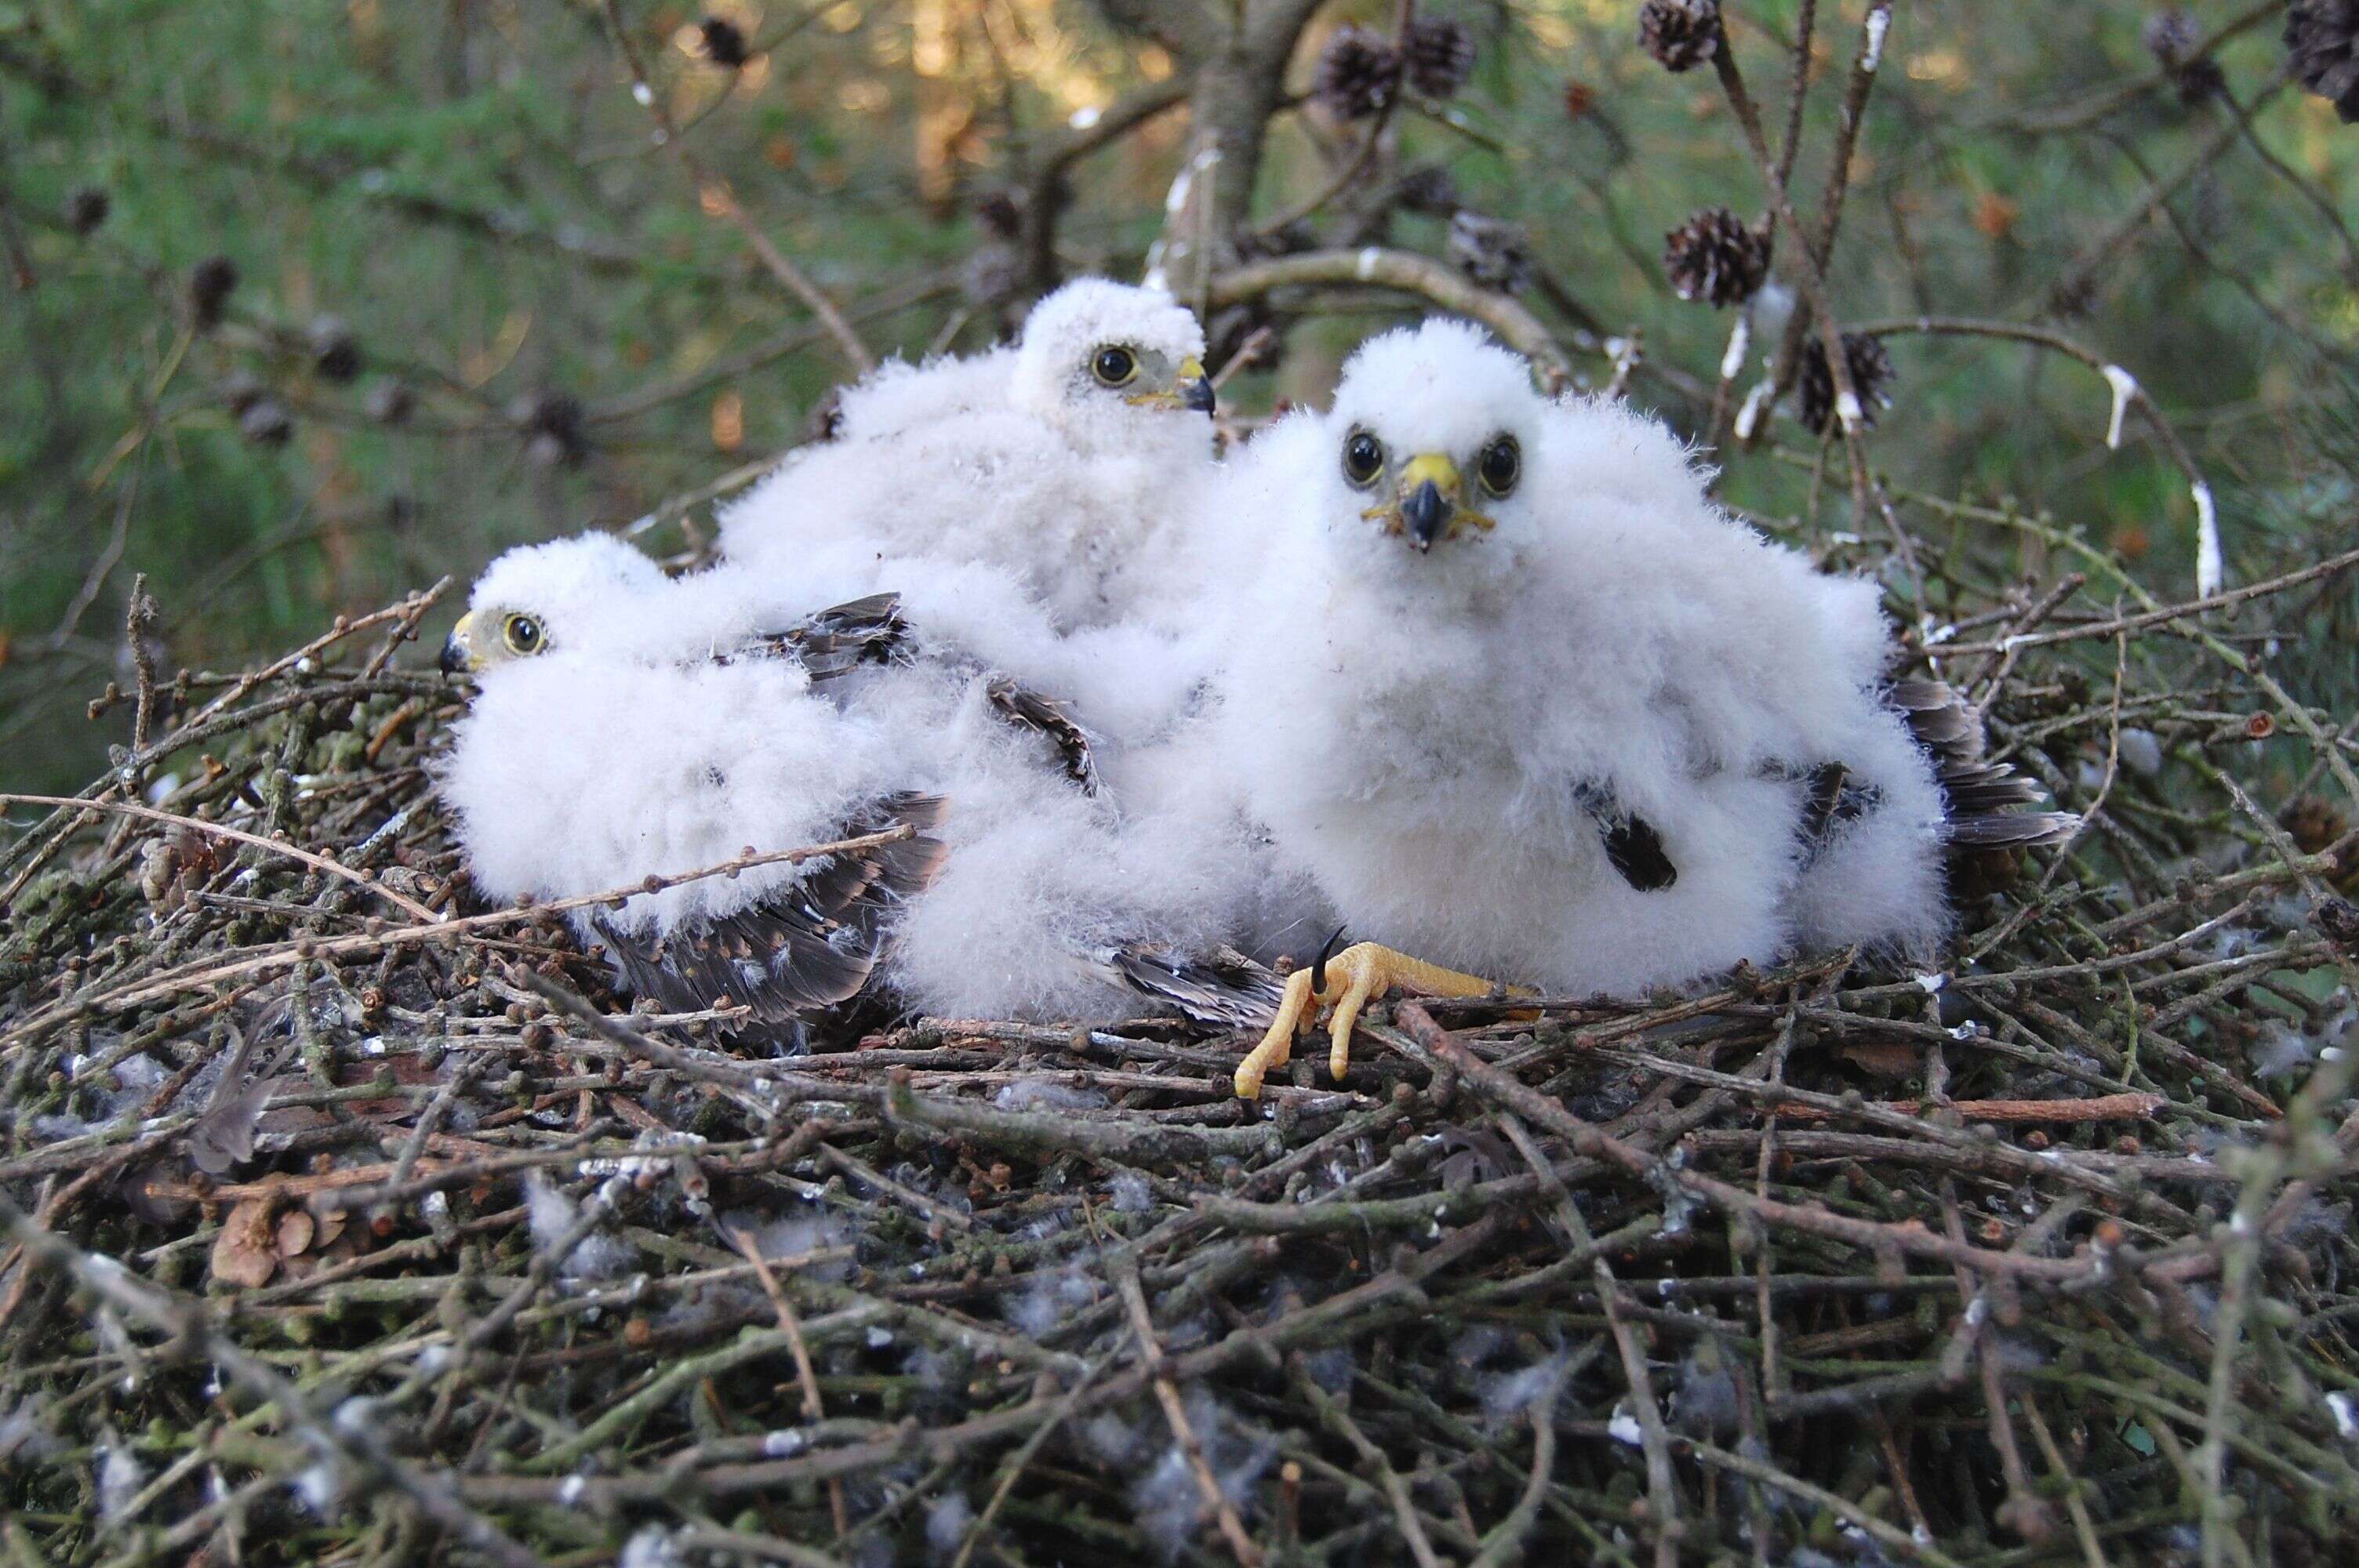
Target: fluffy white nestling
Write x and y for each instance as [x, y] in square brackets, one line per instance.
[629, 727]
[1067, 462]
[1525, 703]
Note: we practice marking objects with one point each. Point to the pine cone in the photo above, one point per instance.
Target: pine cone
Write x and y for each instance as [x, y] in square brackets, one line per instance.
[2322, 36]
[335, 352]
[267, 423]
[1715, 257]
[1438, 57]
[2171, 35]
[555, 429]
[725, 42]
[241, 390]
[1681, 34]
[2339, 924]
[1358, 74]
[1871, 375]
[2200, 81]
[1000, 213]
[391, 403]
[1287, 239]
[210, 283]
[87, 208]
[2315, 826]
[1428, 189]
[1493, 252]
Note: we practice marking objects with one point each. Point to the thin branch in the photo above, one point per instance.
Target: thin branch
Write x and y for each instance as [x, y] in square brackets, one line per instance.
[715, 194]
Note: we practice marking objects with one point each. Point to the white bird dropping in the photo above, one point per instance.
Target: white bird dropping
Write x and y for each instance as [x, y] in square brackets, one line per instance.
[2124, 387]
[2210, 573]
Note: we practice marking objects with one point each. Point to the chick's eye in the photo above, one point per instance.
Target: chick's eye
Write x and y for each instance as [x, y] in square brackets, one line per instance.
[1363, 456]
[522, 634]
[1501, 465]
[1113, 367]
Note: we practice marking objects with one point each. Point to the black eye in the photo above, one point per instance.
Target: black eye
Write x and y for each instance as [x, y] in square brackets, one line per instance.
[1113, 367]
[522, 633]
[1364, 456]
[1501, 464]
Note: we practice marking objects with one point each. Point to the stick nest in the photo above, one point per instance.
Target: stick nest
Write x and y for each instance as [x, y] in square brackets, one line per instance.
[337, 1233]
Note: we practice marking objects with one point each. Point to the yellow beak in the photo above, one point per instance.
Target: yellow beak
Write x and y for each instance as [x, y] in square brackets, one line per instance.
[458, 648]
[1430, 491]
[1429, 503]
[1189, 389]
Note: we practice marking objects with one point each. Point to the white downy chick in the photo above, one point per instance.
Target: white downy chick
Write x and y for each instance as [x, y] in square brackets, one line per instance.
[1067, 462]
[629, 727]
[1524, 702]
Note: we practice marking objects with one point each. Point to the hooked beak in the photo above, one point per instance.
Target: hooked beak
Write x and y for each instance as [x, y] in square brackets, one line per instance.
[1430, 491]
[1195, 387]
[458, 648]
[1191, 389]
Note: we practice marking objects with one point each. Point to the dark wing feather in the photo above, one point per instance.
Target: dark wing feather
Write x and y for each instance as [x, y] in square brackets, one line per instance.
[1631, 845]
[811, 945]
[1978, 792]
[845, 637]
[1220, 990]
[2013, 830]
[1028, 709]
[1832, 799]
[834, 642]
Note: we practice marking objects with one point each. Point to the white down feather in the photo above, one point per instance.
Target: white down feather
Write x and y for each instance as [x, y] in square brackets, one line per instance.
[1411, 728]
[627, 751]
[1015, 460]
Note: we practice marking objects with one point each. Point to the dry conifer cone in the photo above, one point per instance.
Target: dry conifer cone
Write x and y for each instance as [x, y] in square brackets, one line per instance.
[2315, 827]
[1681, 34]
[267, 423]
[1359, 73]
[1493, 252]
[87, 208]
[335, 352]
[1428, 190]
[1716, 257]
[1000, 213]
[725, 42]
[2323, 38]
[210, 283]
[555, 429]
[1438, 55]
[2170, 34]
[1871, 378]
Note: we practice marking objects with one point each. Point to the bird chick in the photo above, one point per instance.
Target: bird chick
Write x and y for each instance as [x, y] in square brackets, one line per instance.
[628, 730]
[1520, 699]
[1066, 460]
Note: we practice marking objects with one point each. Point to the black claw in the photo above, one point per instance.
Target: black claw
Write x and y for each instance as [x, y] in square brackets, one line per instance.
[1319, 965]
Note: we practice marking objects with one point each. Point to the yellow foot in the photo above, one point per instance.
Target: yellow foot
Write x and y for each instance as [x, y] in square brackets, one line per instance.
[1349, 979]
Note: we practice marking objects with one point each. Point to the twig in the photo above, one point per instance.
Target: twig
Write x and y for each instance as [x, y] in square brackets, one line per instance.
[715, 194]
[1175, 1412]
[360, 879]
[1406, 272]
[791, 1326]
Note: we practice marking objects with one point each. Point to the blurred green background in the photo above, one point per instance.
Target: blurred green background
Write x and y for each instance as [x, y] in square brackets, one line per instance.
[475, 304]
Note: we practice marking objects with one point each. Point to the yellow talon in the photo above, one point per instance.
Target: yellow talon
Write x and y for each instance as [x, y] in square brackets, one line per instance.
[1353, 977]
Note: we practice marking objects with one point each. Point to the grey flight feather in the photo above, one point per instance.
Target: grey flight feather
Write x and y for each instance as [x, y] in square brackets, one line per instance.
[813, 945]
